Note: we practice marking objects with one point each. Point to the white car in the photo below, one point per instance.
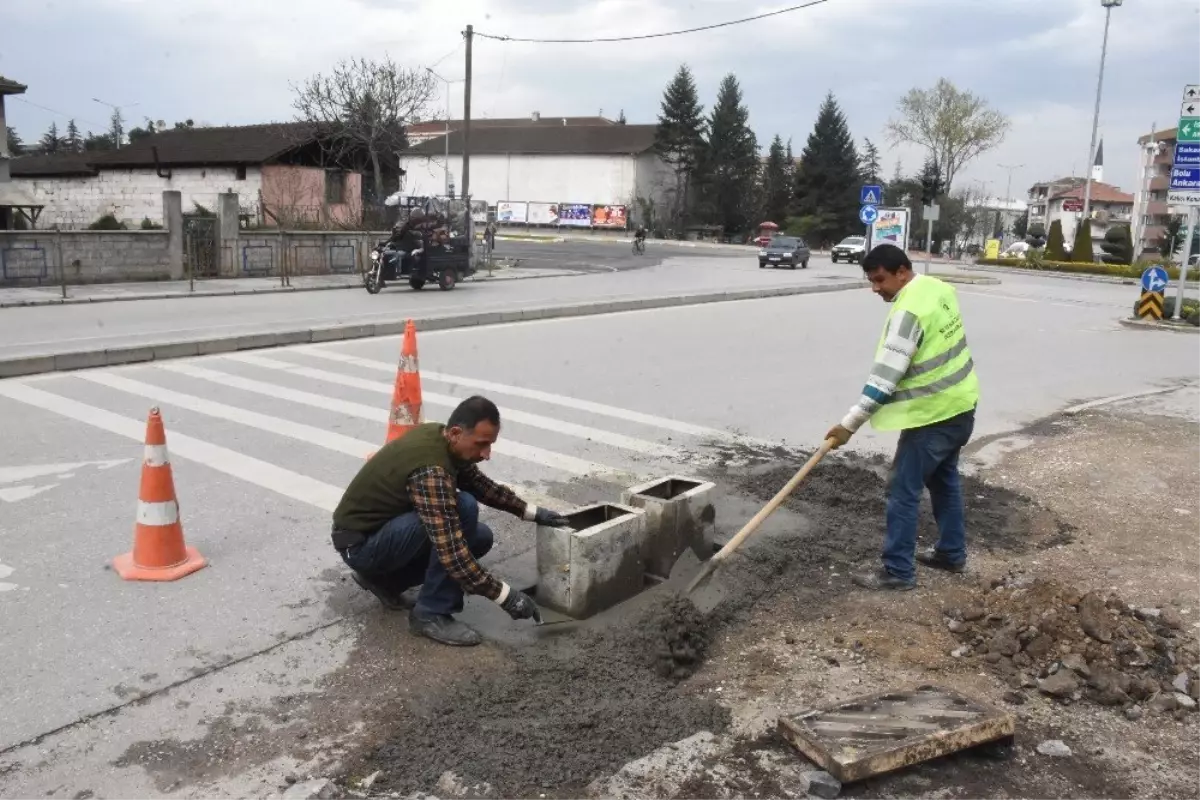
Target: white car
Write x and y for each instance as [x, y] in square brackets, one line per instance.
[852, 249]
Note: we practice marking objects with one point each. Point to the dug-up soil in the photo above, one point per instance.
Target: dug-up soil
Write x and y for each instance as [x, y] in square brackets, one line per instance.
[1040, 626]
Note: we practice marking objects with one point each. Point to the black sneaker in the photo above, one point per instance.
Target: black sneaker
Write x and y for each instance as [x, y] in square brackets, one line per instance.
[391, 600]
[939, 560]
[443, 628]
[882, 579]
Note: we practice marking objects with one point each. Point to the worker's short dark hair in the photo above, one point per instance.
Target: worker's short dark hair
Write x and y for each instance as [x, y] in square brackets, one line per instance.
[886, 256]
[472, 411]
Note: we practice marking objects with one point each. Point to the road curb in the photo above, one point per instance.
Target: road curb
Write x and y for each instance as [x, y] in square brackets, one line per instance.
[1047, 273]
[1172, 327]
[106, 357]
[73, 301]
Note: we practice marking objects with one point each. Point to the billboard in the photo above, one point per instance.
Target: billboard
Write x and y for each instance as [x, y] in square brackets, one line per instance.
[890, 228]
[576, 215]
[510, 212]
[543, 213]
[608, 216]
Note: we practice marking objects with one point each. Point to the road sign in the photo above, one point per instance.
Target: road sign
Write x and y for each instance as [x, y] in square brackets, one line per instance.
[1150, 305]
[870, 195]
[1185, 167]
[868, 214]
[931, 213]
[1187, 153]
[1184, 178]
[1072, 205]
[1154, 279]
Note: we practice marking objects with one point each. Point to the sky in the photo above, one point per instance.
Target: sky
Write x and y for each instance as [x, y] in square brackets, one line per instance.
[236, 62]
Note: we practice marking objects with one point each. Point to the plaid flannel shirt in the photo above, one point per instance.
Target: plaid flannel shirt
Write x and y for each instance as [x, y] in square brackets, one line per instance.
[433, 495]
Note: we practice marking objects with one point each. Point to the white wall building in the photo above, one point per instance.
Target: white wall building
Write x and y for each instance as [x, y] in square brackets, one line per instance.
[601, 164]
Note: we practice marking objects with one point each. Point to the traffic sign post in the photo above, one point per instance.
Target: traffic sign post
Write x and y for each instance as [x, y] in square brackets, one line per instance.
[1185, 176]
[868, 214]
[1154, 285]
[1154, 279]
[1150, 306]
[870, 195]
[932, 213]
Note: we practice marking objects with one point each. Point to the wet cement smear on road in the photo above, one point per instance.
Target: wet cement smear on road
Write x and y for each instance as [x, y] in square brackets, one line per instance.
[557, 714]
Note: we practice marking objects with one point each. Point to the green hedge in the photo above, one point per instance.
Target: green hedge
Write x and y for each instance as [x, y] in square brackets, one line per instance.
[1111, 270]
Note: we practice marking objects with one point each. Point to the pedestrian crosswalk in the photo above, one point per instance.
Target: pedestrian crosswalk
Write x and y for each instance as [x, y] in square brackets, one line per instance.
[300, 421]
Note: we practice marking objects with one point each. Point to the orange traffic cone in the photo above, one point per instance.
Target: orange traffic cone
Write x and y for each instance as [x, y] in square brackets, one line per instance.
[159, 553]
[405, 413]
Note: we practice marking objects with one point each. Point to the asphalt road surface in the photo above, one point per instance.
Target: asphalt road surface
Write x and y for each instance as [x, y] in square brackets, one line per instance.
[263, 443]
[613, 256]
[54, 329]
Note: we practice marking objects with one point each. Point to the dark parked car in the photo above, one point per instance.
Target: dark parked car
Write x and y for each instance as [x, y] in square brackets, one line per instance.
[784, 251]
[852, 248]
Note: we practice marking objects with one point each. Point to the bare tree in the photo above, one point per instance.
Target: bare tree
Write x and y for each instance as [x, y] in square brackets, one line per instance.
[363, 107]
[953, 126]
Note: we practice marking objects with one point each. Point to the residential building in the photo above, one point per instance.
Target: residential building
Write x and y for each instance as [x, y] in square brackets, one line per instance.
[1154, 176]
[279, 171]
[1062, 200]
[572, 164]
[14, 202]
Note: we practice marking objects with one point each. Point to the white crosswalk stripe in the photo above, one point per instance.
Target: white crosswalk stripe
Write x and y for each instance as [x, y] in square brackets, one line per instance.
[219, 388]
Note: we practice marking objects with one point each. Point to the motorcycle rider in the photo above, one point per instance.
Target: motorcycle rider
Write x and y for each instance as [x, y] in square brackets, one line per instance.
[639, 236]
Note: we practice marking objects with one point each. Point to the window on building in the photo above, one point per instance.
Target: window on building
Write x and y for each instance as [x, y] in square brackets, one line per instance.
[335, 187]
[240, 174]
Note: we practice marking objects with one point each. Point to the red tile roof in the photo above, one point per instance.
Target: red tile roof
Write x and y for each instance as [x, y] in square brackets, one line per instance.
[1101, 193]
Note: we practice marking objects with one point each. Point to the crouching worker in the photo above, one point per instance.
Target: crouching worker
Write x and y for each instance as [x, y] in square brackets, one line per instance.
[410, 517]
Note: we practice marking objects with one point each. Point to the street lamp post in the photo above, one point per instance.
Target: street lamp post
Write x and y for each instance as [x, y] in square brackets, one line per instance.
[1008, 191]
[447, 154]
[1087, 186]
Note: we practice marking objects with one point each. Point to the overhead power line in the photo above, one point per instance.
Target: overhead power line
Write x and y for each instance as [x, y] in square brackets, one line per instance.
[662, 35]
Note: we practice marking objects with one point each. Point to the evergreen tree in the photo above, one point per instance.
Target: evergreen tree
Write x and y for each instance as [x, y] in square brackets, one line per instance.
[730, 166]
[776, 183]
[50, 142]
[827, 179]
[15, 146]
[1082, 251]
[1117, 245]
[73, 142]
[679, 139]
[869, 165]
[1055, 243]
[1020, 226]
[621, 117]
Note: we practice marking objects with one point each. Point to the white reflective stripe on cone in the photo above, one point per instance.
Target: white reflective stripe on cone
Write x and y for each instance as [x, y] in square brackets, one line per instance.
[158, 513]
[409, 364]
[156, 456]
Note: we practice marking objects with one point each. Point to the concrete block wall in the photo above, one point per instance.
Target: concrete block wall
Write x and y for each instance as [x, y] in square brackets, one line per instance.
[30, 257]
[132, 195]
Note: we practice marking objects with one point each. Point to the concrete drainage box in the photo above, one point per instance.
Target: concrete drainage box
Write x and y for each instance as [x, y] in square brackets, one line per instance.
[594, 564]
[679, 515]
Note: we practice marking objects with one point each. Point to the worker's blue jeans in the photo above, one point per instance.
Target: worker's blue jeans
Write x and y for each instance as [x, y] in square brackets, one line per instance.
[927, 457]
[400, 555]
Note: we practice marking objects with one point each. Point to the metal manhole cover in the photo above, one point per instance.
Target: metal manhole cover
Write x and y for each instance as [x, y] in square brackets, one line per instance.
[883, 732]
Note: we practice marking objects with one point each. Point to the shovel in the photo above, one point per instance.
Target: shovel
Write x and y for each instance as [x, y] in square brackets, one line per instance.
[761, 516]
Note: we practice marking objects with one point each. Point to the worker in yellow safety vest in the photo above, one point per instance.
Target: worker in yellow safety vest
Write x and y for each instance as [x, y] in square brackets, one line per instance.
[923, 384]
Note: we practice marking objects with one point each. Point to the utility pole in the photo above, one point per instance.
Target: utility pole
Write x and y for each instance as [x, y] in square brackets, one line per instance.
[466, 144]
[1087, 186]
[1008, 192]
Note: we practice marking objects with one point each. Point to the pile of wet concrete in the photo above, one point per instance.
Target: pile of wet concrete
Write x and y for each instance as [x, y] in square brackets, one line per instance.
[555, 716]
[1041, 635]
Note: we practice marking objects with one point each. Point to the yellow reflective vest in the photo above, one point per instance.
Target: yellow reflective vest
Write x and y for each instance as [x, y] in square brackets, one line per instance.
[941, 381]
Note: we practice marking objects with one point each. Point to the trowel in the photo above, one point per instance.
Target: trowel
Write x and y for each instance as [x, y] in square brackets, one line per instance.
[705, 598]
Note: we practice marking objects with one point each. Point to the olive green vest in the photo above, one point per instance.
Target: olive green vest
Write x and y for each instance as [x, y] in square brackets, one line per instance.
[379, 491]
[941, 381]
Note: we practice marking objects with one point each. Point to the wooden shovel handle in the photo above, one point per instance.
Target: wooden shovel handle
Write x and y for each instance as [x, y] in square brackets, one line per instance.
[751, 526]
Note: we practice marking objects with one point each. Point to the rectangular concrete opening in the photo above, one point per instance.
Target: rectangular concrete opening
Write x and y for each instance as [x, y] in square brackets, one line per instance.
[670, 488]
[597, 515]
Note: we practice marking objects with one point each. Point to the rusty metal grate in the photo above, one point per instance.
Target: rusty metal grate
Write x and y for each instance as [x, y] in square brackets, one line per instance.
[883, 732]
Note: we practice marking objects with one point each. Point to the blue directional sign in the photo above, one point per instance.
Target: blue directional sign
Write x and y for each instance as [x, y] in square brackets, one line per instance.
[1184, 178]
[1187, 154]
[1154, 279]
[871, 195]
[868, 214]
